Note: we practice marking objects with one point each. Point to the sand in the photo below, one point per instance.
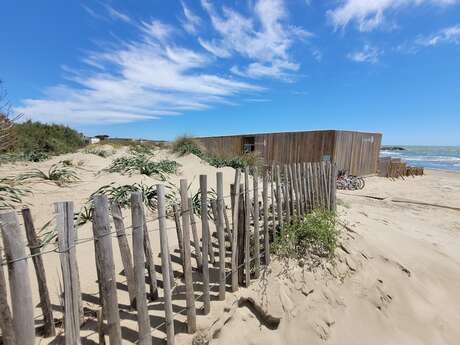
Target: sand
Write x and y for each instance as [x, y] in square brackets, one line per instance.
[395, 278]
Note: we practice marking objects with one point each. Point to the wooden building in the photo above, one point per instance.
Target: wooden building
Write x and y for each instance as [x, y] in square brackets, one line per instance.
[356, 152]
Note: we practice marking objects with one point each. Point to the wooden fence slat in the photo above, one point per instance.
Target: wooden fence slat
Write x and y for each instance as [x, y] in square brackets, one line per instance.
[220, 233]
[165, 261]
[228, 228]
[273, 202]
[291, 190]
[304, 186]
[180, 240]
[256, 224]
[235, 219]
[265, 218]
[205, 233]
[247, 229]
[153, 284]
[196, 239]
[241, 235]
[104, 254]
[287, 195]
[295, 193]
[333, 187]
[125, 252]
[34, 246]
[20, 290]
[137, 216]
[301, 190]
[66, 242]
[279, 203]
[6, 320]
[190, 298]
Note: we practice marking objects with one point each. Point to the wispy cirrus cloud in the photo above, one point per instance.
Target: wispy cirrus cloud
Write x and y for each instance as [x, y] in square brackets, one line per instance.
[371, 14]
[140, 80]
[191, 22]
[368, 54]
[449, 34]
[154, 76]
[264, 38]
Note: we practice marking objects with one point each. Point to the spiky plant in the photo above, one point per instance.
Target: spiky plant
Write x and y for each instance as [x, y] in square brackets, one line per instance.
[57, 174]
[11, 192]
[122, 195]
[143, 165]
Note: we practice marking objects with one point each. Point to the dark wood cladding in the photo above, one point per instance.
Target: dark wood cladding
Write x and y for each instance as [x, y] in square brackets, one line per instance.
[355, 152]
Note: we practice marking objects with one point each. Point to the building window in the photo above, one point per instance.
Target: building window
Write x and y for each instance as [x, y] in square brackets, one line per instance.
[249, 144]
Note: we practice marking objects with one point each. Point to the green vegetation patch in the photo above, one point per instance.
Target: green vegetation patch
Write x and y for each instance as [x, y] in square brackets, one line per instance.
[315, 234]
[185, 145]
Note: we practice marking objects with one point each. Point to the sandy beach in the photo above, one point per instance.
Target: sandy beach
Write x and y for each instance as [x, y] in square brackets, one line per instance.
[394, 280]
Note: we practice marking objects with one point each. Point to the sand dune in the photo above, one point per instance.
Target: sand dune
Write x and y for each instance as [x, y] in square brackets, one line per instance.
[395, 278]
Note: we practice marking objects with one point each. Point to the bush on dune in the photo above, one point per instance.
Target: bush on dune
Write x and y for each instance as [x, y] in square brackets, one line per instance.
[184, 145]
[315, 234]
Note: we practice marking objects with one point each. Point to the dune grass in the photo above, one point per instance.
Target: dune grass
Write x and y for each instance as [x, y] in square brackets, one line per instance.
[58, 174]
[11, 192]
[184, 145]
[314, 234]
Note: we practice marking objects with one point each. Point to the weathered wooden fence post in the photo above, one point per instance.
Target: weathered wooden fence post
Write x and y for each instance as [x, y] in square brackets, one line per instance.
[256, 224]
[279, 201]
[287, 195]
[205, 233]
[34, 246]
[125, 252]
[6, 320]
[165, 259]
[196, 239]
[333, 187]
[20, 290]
[180, 240]
[220, 233]
[235, 220]
[104, 255]
[247, 229]
[137, 216]
[190, 298]
[66, 242]
[149, 259]
[265, 219]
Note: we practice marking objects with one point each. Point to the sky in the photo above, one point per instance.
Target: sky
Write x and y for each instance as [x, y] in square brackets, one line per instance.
[157, 69]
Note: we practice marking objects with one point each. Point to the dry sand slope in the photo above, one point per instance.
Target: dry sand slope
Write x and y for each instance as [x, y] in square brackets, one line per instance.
[395, 280]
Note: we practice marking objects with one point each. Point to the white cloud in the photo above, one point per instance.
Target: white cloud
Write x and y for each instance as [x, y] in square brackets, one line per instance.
[265, 38]
[192, 22]
[140, 80]
[368, 54]
[214, 48]
[117, 15]
[370, 14]
[152, 76]
[447, 35]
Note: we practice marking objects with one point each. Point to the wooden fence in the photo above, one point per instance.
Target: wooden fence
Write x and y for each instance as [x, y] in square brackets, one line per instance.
[396, 168]
[258, 210]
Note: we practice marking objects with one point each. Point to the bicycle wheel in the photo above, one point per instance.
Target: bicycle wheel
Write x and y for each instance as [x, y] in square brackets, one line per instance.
[362, 183]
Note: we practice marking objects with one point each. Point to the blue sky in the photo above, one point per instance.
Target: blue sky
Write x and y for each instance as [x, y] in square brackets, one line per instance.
[158, 69]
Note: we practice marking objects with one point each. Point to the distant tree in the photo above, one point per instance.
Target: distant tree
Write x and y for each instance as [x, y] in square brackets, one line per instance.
[7, 118]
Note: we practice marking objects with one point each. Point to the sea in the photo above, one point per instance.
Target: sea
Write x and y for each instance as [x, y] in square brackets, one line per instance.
[431, 157]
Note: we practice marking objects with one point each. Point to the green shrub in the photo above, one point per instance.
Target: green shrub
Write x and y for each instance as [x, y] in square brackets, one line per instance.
[185, 145]
[316, 234]
[34, 138]
[99, 151]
